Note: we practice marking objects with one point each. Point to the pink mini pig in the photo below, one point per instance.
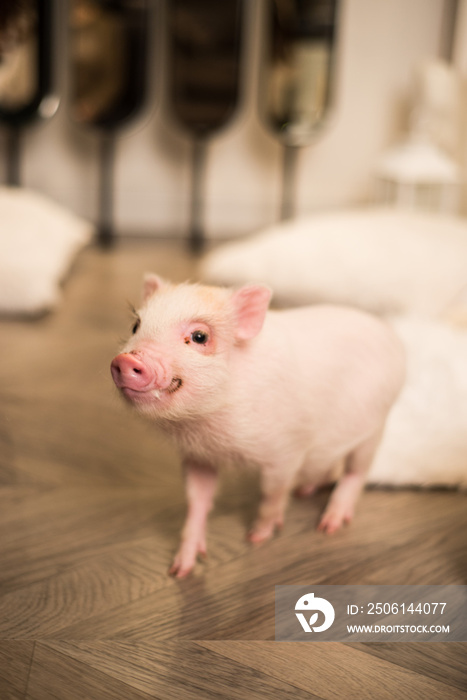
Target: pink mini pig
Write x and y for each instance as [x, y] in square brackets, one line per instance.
[301, 394]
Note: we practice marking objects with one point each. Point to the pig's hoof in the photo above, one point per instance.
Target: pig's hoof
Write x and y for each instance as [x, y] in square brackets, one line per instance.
[184, 562]
[333, 520]
[257, 537]
[180, 569]
[261, 532]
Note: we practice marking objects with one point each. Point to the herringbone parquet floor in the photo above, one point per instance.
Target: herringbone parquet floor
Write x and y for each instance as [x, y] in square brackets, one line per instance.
[91, 507]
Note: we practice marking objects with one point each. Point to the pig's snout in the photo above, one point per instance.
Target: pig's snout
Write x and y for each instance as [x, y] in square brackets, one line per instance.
[130, 372]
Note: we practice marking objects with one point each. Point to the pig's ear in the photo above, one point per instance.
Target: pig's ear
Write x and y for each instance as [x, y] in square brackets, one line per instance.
[250, 304]
[151, 283]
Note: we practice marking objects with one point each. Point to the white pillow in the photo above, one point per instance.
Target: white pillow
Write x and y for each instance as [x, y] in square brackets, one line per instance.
[38, 240]
[383, 260]
[425, 439]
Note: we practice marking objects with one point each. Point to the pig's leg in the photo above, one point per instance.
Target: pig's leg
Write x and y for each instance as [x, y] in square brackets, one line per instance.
[341, 505]
[274, 496]
[200, 485]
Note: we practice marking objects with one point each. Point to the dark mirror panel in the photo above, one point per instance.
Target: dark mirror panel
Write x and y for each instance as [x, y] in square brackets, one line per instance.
[25, 61]
[108, 60]
[205, 37]
[298, 66]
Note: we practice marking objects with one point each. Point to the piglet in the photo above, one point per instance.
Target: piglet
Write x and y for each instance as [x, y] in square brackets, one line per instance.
[300, 394]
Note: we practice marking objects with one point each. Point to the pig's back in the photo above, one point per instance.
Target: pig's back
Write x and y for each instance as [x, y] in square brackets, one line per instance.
[326, 374]
[335, 331]
[340, 348]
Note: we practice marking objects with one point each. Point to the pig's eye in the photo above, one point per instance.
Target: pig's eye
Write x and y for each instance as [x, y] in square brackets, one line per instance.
[199, 337]
[136, 325]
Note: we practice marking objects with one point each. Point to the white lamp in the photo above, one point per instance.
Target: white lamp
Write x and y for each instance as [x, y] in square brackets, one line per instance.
[423, 172]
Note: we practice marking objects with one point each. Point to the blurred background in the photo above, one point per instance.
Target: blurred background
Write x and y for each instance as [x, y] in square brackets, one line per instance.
[124, 84]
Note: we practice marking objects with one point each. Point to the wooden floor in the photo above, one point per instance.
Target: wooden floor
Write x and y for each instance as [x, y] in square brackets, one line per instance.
[91, 507]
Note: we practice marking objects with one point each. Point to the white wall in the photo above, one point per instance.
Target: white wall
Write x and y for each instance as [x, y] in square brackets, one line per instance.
[380, 43]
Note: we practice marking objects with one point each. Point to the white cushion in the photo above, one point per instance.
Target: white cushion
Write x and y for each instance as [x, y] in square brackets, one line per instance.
[425, 439]
[38, 240]
[383, 260]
